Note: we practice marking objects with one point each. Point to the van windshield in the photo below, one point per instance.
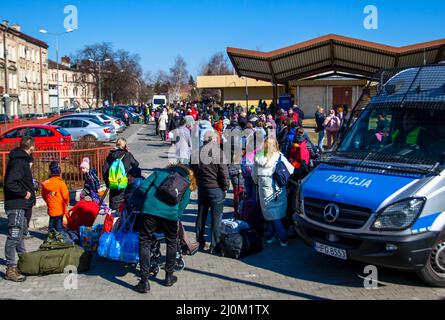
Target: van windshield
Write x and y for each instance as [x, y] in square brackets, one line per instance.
[402, 135]
[159, 101]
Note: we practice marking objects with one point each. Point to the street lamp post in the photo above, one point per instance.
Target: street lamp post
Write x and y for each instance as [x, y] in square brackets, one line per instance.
[57, 35]
[99, 64]
[140, 88]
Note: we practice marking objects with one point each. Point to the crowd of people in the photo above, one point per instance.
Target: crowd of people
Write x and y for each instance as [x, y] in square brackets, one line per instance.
[269, 145]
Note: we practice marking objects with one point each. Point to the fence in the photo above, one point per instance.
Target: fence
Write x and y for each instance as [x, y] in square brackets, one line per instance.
[69, 161]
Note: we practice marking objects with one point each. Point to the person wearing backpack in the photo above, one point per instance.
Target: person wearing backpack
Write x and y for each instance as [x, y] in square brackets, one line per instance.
[301, 151]
[163, 210]
[290, 137]
[115, 171]
[56, 196]
[273, 197]
[332, 125]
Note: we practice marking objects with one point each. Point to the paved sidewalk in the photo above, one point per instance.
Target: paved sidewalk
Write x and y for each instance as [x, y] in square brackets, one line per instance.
[296, 272]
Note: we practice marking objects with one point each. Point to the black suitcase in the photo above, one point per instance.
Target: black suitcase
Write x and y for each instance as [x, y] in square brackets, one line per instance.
[240, 245]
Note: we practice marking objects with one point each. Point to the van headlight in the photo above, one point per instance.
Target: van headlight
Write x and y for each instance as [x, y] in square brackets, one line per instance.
[399, 216]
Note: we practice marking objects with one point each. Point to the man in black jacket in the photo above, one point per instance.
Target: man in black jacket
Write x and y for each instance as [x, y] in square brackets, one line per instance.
[213, 182]
[19, 197]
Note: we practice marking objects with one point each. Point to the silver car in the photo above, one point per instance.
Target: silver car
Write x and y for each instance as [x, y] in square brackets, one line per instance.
[118, 125]
[87, 129]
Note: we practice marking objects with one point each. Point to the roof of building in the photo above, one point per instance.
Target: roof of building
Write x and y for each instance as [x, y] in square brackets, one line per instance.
[24, 36]
[53, 65]
[342, 55]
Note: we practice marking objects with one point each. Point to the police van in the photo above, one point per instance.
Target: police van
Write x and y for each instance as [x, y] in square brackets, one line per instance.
[379, 196]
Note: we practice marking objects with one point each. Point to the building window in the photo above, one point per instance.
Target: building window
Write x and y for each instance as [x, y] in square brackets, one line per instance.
[75, 91]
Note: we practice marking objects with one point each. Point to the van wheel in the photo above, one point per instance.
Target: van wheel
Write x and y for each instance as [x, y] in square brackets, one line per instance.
[434, 271]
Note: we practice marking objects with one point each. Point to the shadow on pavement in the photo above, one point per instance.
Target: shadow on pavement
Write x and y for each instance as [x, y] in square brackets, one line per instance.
[111, 271]
[257, 285]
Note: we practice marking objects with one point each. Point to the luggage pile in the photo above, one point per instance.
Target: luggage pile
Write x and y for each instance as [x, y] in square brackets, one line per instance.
[242, 237]
[72, 247]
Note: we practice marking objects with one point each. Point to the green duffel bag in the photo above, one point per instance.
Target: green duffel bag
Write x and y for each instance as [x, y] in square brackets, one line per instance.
[53, 258]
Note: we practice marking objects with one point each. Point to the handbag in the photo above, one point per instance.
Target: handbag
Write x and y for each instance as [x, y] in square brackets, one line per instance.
[281, 175]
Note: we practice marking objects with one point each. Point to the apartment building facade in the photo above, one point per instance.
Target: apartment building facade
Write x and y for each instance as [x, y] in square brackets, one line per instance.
[77, 89]
[23, 72]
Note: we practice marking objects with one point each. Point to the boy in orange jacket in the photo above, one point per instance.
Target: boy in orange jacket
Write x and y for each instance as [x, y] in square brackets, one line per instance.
[56, 195]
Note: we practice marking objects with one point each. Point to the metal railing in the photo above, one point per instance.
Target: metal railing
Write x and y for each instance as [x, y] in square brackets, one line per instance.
[69, 161]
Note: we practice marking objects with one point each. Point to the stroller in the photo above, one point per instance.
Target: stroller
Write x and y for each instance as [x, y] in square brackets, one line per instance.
[184, 247]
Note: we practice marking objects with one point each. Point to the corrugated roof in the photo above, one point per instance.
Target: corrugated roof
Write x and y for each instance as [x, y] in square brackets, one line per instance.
[332, 53]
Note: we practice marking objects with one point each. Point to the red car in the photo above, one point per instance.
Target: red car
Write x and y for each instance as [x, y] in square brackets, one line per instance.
[47, 137]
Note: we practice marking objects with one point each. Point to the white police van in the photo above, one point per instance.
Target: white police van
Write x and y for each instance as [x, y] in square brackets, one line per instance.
[379, 196]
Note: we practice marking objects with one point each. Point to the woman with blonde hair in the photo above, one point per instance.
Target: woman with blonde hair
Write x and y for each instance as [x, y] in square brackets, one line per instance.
[120, 153]
[157, 213]
[273, 198]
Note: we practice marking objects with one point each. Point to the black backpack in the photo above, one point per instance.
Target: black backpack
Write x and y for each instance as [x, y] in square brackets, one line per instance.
[172, 189]
[281, 174]
[240, 245]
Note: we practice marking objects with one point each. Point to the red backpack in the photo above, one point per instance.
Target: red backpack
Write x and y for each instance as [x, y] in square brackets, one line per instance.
[299, 154]
[84, 213]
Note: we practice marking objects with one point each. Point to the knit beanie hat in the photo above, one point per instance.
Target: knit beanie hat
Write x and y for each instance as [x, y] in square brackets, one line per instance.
[85, 164]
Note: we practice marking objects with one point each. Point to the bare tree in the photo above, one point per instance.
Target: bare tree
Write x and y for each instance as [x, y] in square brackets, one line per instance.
[218, 65]
[121, 76]
[87, 59]
[179, 76]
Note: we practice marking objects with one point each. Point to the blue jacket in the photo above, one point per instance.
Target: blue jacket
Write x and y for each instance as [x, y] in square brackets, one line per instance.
[288, 142]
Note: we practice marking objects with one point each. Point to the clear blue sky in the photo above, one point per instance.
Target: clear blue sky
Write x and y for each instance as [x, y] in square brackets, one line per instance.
[159, 30]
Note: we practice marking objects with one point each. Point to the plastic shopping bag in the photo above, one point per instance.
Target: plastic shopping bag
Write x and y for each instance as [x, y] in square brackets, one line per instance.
[130, 248]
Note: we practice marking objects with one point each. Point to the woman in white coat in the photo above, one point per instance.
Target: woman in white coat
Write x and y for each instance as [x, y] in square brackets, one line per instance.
[163, 121]
[273, 199]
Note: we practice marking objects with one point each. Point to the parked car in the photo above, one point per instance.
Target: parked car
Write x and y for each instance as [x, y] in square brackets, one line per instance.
[87, 129]
[116, 123]
[47, 137]
[119, 113]
[135, 117]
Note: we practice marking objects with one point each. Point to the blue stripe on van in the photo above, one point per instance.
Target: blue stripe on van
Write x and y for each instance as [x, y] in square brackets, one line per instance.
[424, 222]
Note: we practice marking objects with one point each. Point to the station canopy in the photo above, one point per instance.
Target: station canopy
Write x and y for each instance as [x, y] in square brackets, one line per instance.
[332, 55]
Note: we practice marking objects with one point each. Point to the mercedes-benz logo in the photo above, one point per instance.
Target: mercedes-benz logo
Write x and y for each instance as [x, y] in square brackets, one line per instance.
[331, 213]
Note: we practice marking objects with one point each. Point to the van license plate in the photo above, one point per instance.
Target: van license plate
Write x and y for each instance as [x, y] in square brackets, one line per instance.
[331, 251]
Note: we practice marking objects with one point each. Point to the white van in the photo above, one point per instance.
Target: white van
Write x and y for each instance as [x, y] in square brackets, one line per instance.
[159, 101]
